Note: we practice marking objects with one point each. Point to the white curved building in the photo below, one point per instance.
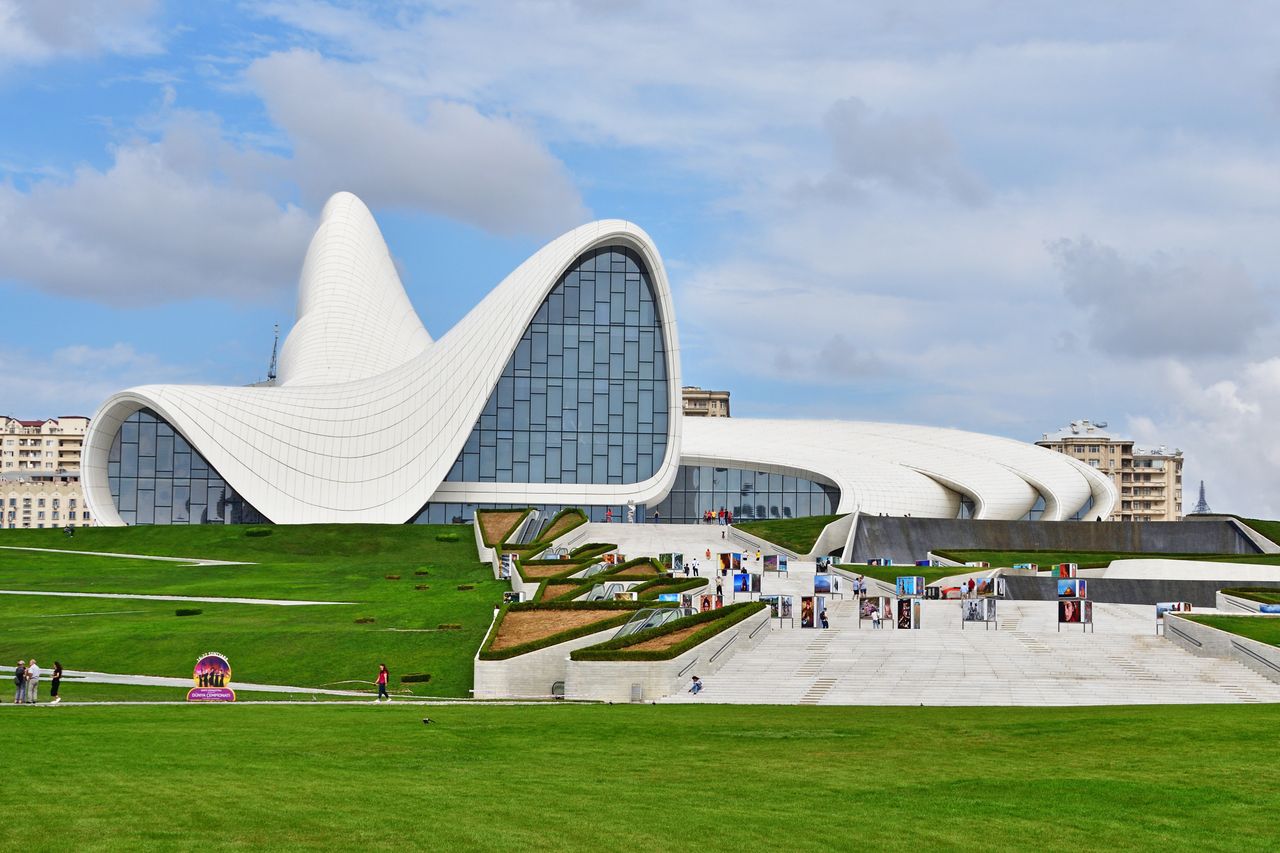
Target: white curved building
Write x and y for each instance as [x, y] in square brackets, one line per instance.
[561, 388]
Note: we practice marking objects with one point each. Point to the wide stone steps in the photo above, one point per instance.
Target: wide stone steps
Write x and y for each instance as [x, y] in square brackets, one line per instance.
[1122, 663]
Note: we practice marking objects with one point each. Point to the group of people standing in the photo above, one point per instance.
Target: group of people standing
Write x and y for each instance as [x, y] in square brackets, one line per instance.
[711, 516]
[26, 682]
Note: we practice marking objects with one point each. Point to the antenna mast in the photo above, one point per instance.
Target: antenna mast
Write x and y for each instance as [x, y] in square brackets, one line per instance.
[1202, 505]
[275, 349]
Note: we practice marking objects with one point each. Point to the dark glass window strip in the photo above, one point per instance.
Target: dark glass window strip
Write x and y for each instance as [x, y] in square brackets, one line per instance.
[583, 399]
[157, 477]
[747, 494]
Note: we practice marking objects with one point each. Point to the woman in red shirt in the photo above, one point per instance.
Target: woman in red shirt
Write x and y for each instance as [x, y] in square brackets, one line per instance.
[382, 683]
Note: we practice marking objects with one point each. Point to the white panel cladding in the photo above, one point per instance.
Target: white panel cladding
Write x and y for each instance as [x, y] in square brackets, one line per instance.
[370, 413]
[901, 469]
[375, 449]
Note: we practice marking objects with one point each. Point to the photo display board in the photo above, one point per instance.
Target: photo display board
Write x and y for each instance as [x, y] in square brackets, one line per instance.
[978, 610]
[786, 609]
[772, 601]
[1163, 607]
[672, 562]
[806, 611]
[746, 582]
[1075, 611]
[508, 566]
[908, 613]
[1073, 588]
[870, 605]
[1067, 570]
[910, 586]
[770, 562]
[821, 584]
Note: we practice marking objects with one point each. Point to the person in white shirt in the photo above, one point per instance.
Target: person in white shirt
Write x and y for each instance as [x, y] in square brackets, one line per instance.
[33, 681]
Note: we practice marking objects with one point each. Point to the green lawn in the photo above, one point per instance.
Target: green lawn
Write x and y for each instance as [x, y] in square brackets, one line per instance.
[1260, 594]
[674, 777]
[1264, 629]
[304, 646]
[1091, 559]
[794, 534]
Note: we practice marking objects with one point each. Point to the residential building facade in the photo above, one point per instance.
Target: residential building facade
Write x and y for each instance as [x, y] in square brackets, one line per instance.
[699, 403]
[1148, 481]
[40, 473]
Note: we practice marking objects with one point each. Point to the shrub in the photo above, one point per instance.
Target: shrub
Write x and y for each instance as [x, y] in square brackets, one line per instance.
[392, 577]
[591, 549]
[421, 572]
[258, 531]
[415, 678]
[364, 620]
[448, 626]
[465, 586]
[422, 586]
[446, 537]
[187, 611]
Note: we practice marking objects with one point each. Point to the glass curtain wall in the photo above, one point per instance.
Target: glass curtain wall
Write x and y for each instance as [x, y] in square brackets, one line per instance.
[747, 494]
[156, 477]
[583, 399]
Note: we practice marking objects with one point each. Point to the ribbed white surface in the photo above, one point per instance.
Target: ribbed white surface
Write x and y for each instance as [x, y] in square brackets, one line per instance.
[899, 468]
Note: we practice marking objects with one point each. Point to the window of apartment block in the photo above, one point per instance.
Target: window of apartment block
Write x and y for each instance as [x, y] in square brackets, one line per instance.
[55, 516]
[40, 502]
[84, 516]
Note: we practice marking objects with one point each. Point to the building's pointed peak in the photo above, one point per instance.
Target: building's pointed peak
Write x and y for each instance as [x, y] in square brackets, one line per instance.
[354, 318]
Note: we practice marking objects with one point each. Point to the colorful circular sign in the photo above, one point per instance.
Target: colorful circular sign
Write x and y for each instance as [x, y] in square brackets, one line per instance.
[212, 677]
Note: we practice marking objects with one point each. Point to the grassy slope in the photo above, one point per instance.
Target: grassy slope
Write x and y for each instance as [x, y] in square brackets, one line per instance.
[1092, 559]
[1269, 529]
[376, 778]
[1264, 629]
[794, 534]
[304, 646]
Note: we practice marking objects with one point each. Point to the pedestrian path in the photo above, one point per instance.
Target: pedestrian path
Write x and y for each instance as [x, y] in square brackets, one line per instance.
[275, 602]
[188, 561]
[1122, 662]
[71, 676]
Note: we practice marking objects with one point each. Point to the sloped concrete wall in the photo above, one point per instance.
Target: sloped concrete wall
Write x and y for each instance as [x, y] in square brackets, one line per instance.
[1210, 642]
[906, 540]
[1131, 590]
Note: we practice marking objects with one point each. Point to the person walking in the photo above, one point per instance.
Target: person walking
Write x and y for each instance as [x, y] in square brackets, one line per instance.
[20, 683]
[875, 618]
[54, 682]
[382, 683]
[971, 585]
[33, 682]
[822, 617]
[608, 515]
[657, 517]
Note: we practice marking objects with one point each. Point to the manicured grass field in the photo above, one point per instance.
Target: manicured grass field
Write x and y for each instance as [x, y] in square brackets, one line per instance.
[1264, 629]
[646, 778]
[794, 534]
[318, 646]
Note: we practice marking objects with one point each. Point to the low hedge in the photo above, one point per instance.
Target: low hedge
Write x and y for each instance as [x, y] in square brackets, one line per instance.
[1260, 594]
[495, 544]
[652, 589]
[625, 611]
[714, 621]
[591, 549]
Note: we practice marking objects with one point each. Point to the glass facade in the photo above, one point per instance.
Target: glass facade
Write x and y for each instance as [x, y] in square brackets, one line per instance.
[157, 477]
[747, 494]
[583, 399]
[458, 513]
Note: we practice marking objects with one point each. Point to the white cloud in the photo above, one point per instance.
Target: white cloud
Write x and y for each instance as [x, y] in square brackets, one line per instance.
[74, 380]
[35, 31]
[1190, 305]
[348, 132]
[168, 220]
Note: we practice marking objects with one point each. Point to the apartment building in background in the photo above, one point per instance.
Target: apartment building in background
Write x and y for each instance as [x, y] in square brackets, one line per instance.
[1148, 480]
[40, 473]
[697, 403]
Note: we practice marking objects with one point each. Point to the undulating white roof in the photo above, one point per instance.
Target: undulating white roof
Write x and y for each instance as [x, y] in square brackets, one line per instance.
[369, 413]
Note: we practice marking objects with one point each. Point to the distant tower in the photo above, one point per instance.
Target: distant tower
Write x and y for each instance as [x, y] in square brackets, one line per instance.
[1202, 505]
[275, 349]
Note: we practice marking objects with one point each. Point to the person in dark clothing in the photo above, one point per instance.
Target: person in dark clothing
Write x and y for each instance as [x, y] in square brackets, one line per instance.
[57, 680]
[20, 683]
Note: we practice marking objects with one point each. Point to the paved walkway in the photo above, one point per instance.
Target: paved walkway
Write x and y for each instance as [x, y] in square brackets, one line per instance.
[189, 561]
[1026, 662]
[276, 602]
[72, 676]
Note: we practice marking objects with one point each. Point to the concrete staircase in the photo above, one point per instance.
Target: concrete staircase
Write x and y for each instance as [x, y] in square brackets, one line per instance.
[1026, 662]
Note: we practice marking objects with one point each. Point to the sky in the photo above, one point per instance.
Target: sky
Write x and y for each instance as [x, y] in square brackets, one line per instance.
[995, 216]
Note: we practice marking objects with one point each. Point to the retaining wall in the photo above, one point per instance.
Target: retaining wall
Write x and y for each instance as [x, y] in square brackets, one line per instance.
[1131, 590]
[906, 540]
[1205, 641]
[531, 675]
